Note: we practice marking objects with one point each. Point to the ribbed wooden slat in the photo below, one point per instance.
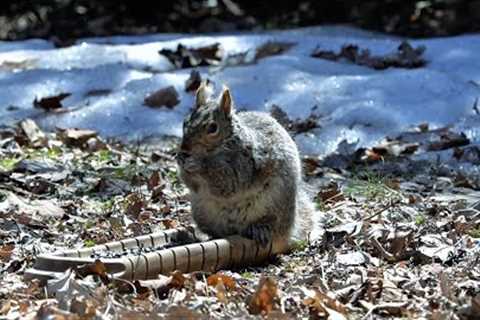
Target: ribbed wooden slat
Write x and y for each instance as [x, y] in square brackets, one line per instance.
[210, 255]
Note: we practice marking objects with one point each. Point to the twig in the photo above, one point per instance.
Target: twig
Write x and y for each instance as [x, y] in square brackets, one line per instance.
[380, 211]
[385, 254]
[388, 305]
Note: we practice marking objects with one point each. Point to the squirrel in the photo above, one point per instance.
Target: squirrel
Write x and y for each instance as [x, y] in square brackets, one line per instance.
[244, 173]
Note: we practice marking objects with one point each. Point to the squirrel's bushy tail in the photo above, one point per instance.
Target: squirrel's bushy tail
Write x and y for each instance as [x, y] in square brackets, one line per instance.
[308, 224]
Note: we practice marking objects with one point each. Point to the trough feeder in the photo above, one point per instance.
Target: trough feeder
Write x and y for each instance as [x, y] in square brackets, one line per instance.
[147, 256]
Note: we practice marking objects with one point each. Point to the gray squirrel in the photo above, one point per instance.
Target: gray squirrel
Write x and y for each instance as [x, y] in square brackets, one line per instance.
[244, 173]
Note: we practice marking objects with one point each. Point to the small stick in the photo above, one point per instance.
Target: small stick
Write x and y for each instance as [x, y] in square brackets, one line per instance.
[388, 305]
[380, 211]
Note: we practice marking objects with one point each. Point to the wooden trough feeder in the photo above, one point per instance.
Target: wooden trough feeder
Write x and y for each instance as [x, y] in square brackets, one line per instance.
[147, 256]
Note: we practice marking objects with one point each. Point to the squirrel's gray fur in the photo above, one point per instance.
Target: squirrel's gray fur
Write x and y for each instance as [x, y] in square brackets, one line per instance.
[244, 172]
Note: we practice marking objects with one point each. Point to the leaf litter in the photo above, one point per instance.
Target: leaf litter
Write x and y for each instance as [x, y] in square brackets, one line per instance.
[402, 235]
[405, 57]
[51, 103]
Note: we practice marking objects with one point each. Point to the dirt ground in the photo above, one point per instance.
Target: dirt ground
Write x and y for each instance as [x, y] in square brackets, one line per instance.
[401, 234]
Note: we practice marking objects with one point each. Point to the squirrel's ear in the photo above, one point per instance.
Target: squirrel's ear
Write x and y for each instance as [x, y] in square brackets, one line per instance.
[226, 101]
[204, 92]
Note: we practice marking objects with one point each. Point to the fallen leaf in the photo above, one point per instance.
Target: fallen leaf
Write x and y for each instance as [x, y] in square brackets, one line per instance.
[217, 278]
[98, 92]
[154, 180]
[97, 268]
[372, 156]
[161, 285]
[6, 252]
[16, 66]
[193, 82]
[165, 97]
[281, 116]
[169, 223]
[6, 306]
[76, 137]
[297, 126]
[449, 140]
[434, 247]
[405, 57]
[95, 144]
[330, 194]
[40, 207]
[322, 306]
[34, 134]
[134, 205]
[177, 279]
[395, 148]
[355, 258]
[400, 242]
[221, 292]
[265, 297]
[272, 48]
[83, 307]
[65, 286]
[51, 103]
[184, 57]
[446, 286]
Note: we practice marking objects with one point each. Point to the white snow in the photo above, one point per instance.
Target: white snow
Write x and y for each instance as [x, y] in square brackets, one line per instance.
[353, 102]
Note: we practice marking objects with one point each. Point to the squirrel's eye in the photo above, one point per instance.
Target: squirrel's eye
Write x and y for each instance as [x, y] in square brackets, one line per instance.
[212, 128]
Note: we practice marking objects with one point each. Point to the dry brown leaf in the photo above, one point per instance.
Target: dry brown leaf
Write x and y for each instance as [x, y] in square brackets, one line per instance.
[400, 243]
[134, 205]
[35, 136]
[330, 194]
[48, 311]
[272, 48]
[395, 148]
[221, 292]
[97, 268]
[154, 180]
[296, 126]
[320, 303]
[214, 279]
[16, 66]
[371, 155]
[193, 82]
[449, 140]
[24, 306]
[405, 57]
[162, 283]
[423, 127]
[6, 306]
[265, 296]
[177, 279]
[446, 286]
[85, 308]
[76, 137]
[51, 103]
[169, 223]
[165, 97]
[311, 165]
[98, 92]
[6, 252]
[184, 57]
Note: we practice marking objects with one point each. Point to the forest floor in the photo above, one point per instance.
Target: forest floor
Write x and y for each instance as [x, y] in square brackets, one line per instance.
[402, 234]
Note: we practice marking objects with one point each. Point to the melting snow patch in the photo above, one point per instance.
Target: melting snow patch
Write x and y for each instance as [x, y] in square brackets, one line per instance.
[352, 103]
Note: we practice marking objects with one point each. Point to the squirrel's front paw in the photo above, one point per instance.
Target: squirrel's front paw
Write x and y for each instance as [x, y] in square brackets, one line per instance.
[260, 232]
